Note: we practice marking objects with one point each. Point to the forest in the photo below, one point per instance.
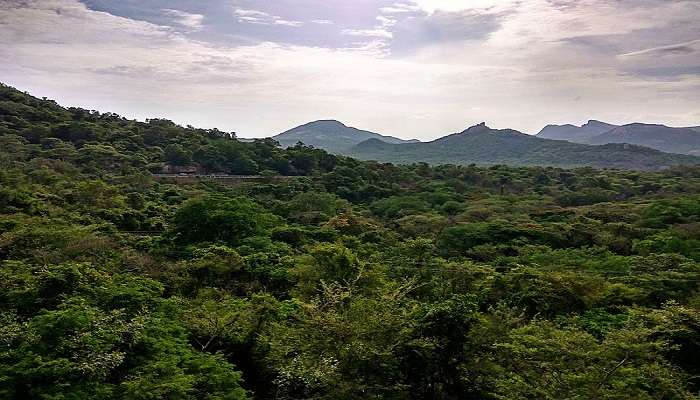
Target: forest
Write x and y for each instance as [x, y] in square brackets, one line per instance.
[348, 280]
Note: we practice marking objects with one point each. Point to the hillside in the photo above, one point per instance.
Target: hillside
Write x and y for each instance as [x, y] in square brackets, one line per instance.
[655, 136]
[660, 137]
[331, 135]
[573, 133]
[105, 142]
[483, 145]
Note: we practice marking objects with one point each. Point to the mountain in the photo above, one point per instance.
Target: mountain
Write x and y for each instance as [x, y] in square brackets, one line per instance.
[573, 133]
[332, 136]
[483, 145]
[660, 137]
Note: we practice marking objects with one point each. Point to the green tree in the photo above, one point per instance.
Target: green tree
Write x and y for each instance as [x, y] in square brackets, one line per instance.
[177, 155]
[220, 219]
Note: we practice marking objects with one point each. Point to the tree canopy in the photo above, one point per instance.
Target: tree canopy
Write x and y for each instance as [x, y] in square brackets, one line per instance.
[351, 280]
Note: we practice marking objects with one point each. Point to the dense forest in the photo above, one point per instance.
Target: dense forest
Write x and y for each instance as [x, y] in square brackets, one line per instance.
[348, 280]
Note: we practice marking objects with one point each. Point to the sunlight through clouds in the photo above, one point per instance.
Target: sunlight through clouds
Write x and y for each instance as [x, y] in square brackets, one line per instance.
[259, 67]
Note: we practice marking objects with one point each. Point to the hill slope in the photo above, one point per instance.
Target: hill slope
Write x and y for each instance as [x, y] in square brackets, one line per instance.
[660, 137]
[483, 145]
[655, 136]
[100, 143]
[331, 135]
[573, 133]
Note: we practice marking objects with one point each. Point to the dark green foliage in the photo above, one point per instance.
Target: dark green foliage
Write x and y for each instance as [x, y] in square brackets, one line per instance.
[177, 155]
[219, 219]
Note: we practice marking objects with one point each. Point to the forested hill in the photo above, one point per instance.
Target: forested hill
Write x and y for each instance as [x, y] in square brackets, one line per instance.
[355, 280]
[111, 142]
[655, 136]
[104, 142]
[664, 138]
[332, 136]
[483, 145]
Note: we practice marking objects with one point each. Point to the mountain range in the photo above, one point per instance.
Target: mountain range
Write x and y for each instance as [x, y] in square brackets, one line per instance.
[573, 133]
[332, 136]
[659, 137]
[483, 145]
[596, 144]
[476, 145]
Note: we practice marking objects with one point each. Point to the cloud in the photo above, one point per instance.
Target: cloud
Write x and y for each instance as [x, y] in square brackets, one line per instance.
[322, 21]
[667, 72]
[253, 16]
[663, 63]
[36, 22]
[432, 6]
[443, 27]
[400, 8]
[496, 63]
[191, 21]
[263, 18]
[672, 49]
[125, 70]
[288, 23]
[381, 29]
[377, 33]
[386, 22]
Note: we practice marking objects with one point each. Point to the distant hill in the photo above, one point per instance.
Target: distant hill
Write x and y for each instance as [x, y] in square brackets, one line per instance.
[483, 145]
[573, 133]
[659, 137]
[332, 136]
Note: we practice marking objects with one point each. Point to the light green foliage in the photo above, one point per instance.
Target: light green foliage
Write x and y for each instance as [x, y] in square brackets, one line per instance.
[98, 335]
[543, 361]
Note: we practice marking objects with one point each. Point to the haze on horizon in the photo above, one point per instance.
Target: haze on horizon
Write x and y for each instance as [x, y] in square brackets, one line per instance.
[411, 69]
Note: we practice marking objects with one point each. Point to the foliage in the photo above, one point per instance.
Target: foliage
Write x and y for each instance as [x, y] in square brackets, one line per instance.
[350, 280]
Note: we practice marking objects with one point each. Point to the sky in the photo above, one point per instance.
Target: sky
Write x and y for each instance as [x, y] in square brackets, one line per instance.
[413, 69]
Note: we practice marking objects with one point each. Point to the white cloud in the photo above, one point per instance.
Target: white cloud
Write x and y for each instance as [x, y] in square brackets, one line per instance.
[386, 22]
[263, 18]
[382, 30]
[191, 21]
[460, 5]
[253, 16]
[250, 13]
[378, 33]
[400, 8]
[524, 75]
[322, 21]
[38, 21]
[284, 22]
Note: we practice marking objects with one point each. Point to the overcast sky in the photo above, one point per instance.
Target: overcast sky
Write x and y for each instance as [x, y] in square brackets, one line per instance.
[418, 69]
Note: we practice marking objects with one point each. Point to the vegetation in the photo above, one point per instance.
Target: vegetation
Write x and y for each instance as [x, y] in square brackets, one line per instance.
[330, 135]
[659, 137]
[485, 146]
[352, 280]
